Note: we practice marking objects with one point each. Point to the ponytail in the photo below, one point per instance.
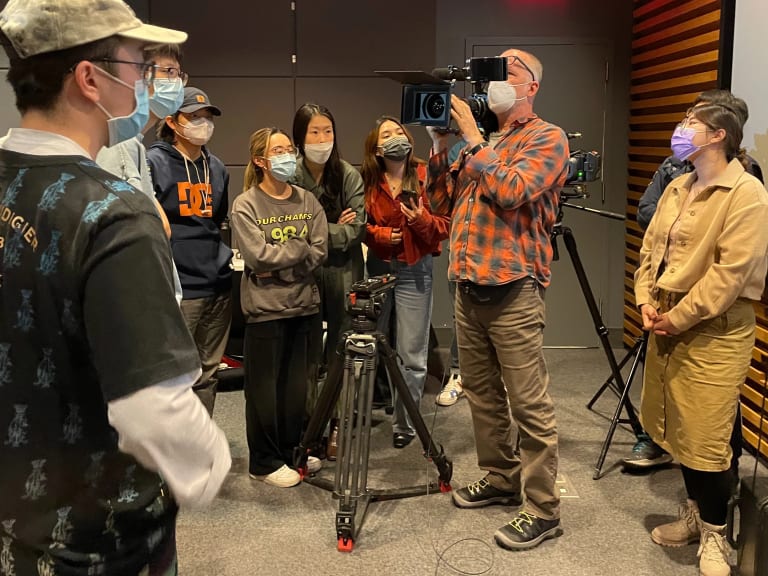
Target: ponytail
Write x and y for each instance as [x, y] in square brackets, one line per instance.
[253, 176]
[741, 156]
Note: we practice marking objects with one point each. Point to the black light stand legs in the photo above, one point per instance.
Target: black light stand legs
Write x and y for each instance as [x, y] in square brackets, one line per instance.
[638, 348]
[354, 376]
[637, 353]
[602, 332]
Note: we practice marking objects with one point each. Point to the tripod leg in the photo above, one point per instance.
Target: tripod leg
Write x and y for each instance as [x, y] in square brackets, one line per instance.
[609, 382]
[444, 465]
[321, 414]
[624, 402]
[350, 484]
[602, 331]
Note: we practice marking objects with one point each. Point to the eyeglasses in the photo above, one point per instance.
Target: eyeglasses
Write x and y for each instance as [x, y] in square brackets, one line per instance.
[147, 69]
[276, 150]
[170, 73]
[523, 64]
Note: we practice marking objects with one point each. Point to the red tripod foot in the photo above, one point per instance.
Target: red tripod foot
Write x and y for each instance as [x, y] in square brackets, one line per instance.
[345, 544]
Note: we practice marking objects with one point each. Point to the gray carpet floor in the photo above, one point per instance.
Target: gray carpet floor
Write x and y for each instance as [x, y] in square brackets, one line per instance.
[256, 529]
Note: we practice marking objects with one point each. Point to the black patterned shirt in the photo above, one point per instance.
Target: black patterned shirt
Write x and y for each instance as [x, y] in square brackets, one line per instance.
[80, 250]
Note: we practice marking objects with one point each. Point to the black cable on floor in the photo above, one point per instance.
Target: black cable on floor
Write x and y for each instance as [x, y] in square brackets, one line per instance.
[487, 559]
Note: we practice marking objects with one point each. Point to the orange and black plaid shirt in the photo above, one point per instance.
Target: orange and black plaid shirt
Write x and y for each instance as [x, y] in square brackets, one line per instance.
[503, 204]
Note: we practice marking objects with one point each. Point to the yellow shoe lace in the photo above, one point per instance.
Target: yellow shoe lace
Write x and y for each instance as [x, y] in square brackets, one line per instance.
[476, 487]
[522, 518]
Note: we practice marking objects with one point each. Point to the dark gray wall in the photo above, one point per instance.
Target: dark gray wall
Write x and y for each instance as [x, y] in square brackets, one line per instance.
[241, 54]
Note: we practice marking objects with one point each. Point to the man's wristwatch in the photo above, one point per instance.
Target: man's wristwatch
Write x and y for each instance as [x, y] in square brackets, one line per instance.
[475, 149]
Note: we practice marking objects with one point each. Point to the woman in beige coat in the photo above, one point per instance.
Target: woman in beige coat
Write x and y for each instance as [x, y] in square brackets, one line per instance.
[702, 264]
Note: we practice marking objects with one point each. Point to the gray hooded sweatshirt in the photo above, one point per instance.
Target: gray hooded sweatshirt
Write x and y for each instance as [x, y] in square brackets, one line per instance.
[281, 242]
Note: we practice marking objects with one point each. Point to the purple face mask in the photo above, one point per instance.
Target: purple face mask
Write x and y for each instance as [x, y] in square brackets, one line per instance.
[682, 143]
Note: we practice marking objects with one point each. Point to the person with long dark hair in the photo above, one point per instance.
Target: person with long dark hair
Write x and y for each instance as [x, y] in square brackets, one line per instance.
[702, 266]
[339, 188]
[402, 236]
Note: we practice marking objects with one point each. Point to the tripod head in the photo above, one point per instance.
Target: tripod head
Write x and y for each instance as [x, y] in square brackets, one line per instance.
[365, 301]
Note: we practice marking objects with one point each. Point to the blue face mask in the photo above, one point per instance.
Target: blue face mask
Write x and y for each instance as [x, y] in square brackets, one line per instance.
[167, 97]
[283, 166]
[124, 128]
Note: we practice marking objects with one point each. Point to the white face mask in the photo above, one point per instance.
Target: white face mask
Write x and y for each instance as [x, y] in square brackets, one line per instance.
[502, 96]
[197, 131]
[318, 153]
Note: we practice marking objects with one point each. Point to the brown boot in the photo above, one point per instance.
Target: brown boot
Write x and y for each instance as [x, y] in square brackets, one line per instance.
[333, 440]
[682, 531]
[713, 551]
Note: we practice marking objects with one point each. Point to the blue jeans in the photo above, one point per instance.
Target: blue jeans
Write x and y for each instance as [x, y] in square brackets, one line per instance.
[413, 313]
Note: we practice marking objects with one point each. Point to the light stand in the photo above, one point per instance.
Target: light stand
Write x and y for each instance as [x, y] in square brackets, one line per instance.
[616, 381]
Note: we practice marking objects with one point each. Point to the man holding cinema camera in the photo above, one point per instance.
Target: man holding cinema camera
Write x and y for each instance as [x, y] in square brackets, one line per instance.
[502, 196]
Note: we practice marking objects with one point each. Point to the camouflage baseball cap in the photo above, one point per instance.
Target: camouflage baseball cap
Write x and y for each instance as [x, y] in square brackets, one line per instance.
[39, 26]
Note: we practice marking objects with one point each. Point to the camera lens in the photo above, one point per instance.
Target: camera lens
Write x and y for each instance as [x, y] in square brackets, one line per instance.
[433, 106]
[478, 104]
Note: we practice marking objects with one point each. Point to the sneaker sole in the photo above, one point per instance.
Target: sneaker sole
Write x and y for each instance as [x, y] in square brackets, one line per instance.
[507, 544]
[447, 403]
[263, 478]
[282, 484]
[459, 502]
[646, 464]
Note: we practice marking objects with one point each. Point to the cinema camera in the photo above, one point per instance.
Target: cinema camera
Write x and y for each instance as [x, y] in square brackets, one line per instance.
[426, 98]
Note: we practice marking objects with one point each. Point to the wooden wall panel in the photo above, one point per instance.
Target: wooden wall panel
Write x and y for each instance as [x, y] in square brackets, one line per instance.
[676, 55]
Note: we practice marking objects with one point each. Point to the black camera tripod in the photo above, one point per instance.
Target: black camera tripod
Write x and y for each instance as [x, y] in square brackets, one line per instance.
[353, 372]
[615, 380]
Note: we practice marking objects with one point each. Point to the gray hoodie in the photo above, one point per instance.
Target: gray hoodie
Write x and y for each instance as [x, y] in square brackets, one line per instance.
[281, 242]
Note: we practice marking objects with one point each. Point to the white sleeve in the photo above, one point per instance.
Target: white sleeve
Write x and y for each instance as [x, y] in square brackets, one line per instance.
[167, 429]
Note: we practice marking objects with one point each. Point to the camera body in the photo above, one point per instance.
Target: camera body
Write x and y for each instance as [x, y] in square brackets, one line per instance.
[583, 167]
[426, 101]
[366, 298]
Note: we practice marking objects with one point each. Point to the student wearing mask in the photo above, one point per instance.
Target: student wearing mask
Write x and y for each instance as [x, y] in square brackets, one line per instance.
[702, 267]
[402, 236]
[192, 186]
[282, 234]
[128, 159]
[102, 437]
[339, 188]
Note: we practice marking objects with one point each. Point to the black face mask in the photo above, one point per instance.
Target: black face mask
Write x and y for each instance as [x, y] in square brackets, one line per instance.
[396, 148]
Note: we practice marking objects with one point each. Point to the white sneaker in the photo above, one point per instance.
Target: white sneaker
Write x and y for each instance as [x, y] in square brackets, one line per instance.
[314, 464]
[283, 477]
[451, 392]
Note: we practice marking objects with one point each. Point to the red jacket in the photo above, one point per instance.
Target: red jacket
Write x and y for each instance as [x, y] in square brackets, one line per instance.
[419, 239]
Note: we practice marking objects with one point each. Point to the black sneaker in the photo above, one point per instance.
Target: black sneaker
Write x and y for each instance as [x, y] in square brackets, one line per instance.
[646, 454]
[481, 493]
[527, 531]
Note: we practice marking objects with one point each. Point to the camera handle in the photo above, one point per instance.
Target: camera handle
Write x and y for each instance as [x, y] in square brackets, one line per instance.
[352, 374]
